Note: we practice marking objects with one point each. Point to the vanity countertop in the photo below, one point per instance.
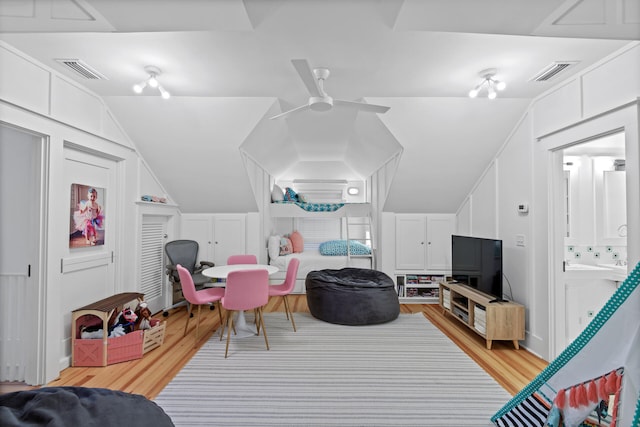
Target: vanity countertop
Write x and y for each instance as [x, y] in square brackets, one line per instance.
[600, 271]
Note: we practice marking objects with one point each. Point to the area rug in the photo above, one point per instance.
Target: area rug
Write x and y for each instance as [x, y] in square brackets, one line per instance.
[405, 372]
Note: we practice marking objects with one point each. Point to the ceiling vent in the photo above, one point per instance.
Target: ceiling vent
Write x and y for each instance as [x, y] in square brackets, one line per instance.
[552, 70]
[82, 69]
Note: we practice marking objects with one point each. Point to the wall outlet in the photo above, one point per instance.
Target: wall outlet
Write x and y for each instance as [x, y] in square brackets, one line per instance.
[520, 241]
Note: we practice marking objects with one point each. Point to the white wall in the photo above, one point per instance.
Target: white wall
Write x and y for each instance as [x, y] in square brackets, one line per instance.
[521, 173]
[484, 199]
[38, 99]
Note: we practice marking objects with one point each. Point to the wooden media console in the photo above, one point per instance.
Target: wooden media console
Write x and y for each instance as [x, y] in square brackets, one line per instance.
[502, 320]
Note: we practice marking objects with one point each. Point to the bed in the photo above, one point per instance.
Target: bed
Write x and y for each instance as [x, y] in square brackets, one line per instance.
[291, 209]
[312, 259]
[331, 221]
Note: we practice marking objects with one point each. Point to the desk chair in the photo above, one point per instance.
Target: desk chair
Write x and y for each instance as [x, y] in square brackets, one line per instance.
[185, 253]
[246, 290]
[286, 287]
[242, 259]
[197, 297]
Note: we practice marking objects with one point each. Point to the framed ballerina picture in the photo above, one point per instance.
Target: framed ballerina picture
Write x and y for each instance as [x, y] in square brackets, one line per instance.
[87, 216]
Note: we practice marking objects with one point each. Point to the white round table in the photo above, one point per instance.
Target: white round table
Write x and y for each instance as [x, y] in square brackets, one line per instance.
[222, 271]
[243, 329]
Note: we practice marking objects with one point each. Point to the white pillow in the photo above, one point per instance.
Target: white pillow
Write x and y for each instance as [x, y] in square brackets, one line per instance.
[274, 247]
[277, 195]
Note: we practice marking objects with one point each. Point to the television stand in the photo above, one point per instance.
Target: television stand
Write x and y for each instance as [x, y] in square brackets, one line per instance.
[491, 318]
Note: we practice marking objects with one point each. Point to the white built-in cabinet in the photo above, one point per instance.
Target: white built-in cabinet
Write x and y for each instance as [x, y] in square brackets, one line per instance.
[423, 255]
[218, 235]
[423, 241]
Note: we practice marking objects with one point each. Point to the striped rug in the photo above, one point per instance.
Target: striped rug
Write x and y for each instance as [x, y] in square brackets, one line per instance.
[404, 373]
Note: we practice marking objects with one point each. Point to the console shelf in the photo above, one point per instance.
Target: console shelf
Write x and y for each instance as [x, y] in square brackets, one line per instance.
[491, 320]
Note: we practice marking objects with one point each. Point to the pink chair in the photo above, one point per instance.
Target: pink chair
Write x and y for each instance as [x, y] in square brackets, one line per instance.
[197, 297]
[286, 287]
[246, 290]
[242, 259]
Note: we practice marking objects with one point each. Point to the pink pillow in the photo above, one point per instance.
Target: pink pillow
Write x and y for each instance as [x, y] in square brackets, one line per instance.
[297, 241]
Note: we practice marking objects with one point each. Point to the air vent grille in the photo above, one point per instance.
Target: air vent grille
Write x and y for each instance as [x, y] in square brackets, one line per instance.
[552, 70]
[82, 69]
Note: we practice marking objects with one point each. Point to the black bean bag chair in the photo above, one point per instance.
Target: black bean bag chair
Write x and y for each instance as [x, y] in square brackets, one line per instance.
[79, 406]
[352, 296]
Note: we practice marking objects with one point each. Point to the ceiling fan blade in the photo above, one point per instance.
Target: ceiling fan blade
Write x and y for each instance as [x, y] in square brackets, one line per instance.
[363, 106]
[277, 116]
[306, 74]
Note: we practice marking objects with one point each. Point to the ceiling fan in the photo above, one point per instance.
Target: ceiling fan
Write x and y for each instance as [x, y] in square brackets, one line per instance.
[319, 100]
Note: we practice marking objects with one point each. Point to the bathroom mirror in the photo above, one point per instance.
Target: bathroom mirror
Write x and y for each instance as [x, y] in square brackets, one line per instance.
[614, 204]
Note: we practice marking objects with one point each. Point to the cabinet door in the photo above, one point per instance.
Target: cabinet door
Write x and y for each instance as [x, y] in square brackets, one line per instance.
[199, 227]
[439, 230]
[229, 237]
[411, 242]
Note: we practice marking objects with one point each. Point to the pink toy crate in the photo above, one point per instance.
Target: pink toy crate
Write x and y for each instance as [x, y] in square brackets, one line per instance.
[119, 349]
[101, 352]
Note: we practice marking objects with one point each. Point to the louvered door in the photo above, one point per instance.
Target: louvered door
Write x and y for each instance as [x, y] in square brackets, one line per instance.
[152, 274]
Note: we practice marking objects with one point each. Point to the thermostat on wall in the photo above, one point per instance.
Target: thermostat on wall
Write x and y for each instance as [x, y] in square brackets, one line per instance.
[523, 207]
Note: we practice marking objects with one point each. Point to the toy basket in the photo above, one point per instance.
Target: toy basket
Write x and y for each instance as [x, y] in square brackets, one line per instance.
[119, 349]
[104, 351]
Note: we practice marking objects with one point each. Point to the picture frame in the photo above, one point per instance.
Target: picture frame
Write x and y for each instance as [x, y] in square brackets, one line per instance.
[87, 216]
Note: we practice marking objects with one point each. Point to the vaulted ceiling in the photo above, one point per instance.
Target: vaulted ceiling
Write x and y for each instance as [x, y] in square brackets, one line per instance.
[227, 65]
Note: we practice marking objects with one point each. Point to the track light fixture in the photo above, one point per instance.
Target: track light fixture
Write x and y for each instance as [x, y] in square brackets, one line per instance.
[152, 81]
[489, 83]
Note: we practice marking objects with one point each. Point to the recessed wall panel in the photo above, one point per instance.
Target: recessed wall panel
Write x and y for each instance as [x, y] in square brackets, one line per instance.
[72, 105]
[23, 82]
[614, 83]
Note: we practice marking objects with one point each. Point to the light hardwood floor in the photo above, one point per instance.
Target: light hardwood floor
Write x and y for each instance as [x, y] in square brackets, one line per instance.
[513, 369]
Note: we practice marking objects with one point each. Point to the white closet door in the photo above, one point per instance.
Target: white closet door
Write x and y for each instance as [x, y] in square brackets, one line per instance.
[152, 262]
[411, 233]
[199, 227]
[20, 212]
[439, 231]
[229, 237]
[89, 271]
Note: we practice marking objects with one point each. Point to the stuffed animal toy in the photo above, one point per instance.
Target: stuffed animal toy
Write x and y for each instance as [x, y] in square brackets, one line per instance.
[144, 317]
[125, 323]
[90, 332]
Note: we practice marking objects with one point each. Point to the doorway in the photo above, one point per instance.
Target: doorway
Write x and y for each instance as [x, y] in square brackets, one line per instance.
[594, 219]
[21, 205]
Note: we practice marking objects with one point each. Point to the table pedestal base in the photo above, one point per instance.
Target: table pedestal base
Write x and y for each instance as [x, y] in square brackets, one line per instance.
[243, 328]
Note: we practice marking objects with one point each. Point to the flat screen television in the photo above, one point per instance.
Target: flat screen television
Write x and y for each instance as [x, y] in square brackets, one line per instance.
[477, 262]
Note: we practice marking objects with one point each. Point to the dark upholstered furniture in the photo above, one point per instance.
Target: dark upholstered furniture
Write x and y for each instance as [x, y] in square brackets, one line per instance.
[352, 296]
[79, 406]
